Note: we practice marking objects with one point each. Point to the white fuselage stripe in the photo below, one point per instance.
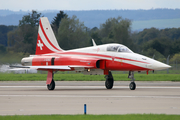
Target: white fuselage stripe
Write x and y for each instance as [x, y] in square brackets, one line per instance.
[136, 63]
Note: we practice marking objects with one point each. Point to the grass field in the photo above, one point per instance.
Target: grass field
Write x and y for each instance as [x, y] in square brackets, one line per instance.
[93, 117]
[11, 57]
[81, 77]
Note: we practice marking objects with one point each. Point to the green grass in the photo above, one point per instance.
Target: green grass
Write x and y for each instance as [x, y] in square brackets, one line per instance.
[81, 77]
[93, 117]
[11, 57]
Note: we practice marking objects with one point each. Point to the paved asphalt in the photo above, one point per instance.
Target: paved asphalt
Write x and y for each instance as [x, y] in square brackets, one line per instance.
[31, 98]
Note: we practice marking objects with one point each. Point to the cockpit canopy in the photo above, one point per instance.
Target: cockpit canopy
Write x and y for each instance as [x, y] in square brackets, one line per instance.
[118, 48]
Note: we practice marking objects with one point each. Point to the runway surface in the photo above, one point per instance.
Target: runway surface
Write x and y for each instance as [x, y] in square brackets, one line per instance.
[31, 98]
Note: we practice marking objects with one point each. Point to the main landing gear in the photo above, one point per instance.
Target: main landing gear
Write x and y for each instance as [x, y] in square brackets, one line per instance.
[50, 81]
[109, 81]
[132, 85]
[51, 86]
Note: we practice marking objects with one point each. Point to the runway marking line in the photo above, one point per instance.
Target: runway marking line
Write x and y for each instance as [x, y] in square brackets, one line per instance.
[151, 87]
[85, 96]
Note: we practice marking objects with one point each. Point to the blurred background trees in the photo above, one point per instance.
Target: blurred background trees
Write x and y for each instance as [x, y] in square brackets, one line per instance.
[24, 38]
[57, 20]
[158, 42]
[71, 33]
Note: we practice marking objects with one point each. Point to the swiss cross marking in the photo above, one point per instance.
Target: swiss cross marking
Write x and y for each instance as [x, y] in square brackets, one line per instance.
[40, 44]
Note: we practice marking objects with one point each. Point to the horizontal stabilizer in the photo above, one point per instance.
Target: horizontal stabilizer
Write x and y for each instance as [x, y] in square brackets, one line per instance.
[43, 67]
[12, 66]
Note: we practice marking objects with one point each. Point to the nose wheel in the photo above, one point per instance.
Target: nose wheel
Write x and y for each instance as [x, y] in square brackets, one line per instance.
[132, 85]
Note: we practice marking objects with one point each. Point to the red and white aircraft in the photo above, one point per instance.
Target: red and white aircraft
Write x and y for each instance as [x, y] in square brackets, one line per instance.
[95, 60]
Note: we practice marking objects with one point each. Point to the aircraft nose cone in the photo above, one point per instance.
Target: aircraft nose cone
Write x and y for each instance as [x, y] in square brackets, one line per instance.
[164, 66]
[160, 66]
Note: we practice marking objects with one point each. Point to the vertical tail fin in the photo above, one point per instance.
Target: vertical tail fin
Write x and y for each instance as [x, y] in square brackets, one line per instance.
[46, 41]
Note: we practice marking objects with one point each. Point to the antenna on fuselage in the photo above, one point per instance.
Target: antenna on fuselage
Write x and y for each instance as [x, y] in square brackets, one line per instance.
[94, 44]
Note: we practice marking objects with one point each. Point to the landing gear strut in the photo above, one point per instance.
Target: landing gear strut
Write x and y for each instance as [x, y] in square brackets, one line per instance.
[132, 85]
[109, 81]
[50, 81]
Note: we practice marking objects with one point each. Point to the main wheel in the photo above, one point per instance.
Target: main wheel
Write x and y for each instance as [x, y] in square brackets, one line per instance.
[132, 85]
[51, 86]
[109, 83]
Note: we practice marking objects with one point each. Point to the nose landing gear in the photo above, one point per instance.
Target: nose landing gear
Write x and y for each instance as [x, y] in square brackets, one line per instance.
[132, 85]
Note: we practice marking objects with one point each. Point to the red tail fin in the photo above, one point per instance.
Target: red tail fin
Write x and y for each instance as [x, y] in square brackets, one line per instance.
[46, 41]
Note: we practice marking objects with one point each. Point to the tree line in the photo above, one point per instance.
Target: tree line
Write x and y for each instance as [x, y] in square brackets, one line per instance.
[71, 33]
[158, 43]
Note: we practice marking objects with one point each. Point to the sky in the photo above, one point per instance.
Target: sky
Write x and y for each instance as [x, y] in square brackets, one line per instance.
[26, 5]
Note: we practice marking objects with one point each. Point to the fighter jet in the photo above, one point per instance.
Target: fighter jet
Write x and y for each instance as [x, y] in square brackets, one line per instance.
[94, 60]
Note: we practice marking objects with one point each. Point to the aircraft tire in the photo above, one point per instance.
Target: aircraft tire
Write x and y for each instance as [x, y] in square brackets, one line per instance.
[51, 86]
[109, 83]
[132, 86]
